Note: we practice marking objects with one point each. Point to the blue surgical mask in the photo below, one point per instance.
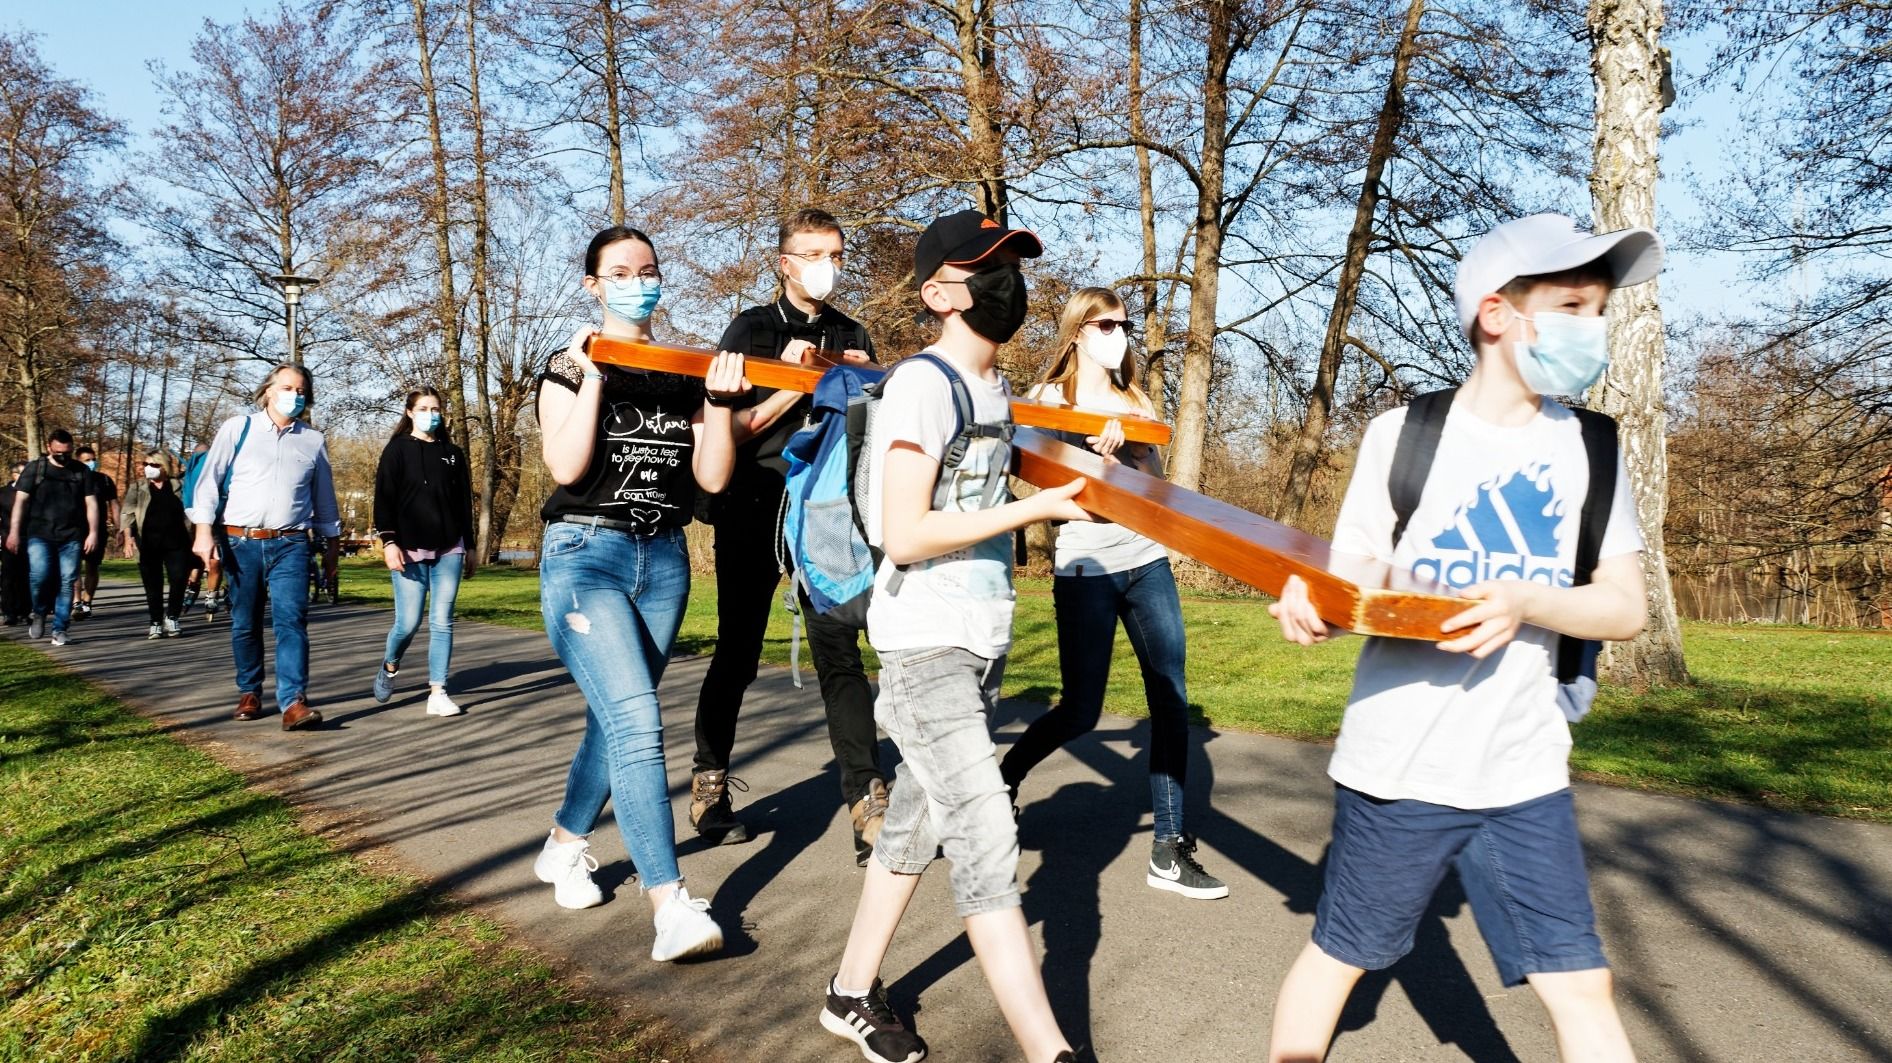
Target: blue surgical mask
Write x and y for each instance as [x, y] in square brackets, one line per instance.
[93, 465]
[290, 403]
[427, 421]
[633, 300]
[1570, 353]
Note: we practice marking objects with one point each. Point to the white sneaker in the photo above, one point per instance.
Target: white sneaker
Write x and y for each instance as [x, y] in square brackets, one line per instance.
[684, 928]
[439, 704]
[568, 867]
[171, 628]
[156, 632]
[60, 639]
[35, 626]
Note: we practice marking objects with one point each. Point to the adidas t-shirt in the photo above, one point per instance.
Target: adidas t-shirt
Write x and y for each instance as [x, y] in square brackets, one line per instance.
[963, 598]
[1499, 503]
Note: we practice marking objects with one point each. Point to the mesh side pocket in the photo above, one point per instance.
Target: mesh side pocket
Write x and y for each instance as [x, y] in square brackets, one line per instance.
[834, 551]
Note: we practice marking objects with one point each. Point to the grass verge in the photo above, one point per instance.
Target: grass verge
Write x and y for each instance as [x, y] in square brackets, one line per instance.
[155, 908]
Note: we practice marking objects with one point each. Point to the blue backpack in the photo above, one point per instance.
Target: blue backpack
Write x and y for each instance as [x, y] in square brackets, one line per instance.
[824, 542]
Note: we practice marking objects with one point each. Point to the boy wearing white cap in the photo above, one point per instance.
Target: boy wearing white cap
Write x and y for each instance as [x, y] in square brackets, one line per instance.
[1456, 755]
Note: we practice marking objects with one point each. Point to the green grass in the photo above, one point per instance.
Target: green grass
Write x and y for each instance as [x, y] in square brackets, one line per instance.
[1792, 718]
[154, 908]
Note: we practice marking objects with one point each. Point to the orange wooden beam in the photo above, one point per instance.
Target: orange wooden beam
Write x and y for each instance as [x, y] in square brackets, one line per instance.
[788, 376]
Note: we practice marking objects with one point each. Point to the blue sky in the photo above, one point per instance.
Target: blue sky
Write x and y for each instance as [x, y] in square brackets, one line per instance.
[108, 44]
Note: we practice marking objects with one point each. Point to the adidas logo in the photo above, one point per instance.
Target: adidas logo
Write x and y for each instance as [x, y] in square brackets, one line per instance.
[1508, 531]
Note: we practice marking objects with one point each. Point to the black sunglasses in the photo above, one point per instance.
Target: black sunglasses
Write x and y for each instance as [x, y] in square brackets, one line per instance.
[1108, 325]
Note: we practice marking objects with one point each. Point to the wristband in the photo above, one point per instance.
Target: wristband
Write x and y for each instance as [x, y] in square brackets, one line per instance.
[720, 402]
[593, 374]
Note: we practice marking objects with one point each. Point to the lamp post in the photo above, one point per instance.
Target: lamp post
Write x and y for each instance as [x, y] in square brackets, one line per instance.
[292, 288]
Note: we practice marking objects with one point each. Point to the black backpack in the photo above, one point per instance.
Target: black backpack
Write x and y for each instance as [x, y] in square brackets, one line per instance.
[1412, 463]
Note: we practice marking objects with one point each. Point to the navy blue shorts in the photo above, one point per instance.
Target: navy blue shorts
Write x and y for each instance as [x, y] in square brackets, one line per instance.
[1521, 866]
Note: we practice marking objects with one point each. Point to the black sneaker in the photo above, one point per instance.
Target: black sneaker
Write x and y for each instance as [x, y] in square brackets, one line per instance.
[869, 1022]
[1076, 1055]
[1173, 867]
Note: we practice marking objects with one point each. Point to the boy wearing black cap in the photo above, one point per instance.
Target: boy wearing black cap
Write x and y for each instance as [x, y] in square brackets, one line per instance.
[940, 619]
[1456, 755]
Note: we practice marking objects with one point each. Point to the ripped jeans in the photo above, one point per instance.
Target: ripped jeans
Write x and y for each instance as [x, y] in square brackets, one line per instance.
[612, 604]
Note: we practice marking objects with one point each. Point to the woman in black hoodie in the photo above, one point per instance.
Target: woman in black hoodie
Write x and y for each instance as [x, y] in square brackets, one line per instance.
[423, 508]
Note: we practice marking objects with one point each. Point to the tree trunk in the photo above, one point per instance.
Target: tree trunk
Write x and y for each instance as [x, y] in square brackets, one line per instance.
[1192, 399]
[1627, 63]
[978, 73]
[483, 318]
[613, 113]
[1311, 441]
[1155, 329]
[443, 237]
[29, 400]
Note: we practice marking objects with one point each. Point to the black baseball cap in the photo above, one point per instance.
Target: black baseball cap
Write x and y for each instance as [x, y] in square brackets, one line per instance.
[965, 239]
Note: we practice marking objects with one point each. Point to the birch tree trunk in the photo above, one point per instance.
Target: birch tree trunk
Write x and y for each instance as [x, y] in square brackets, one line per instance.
[443, 236]
[1192, 399]
[1628, 65]
[1311, 441]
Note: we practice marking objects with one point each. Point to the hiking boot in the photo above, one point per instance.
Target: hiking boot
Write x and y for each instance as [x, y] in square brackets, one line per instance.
[35, 626]
[710, 811]
[383, 683]
[249, 707]
[869, 812]
[1173, 867]
[439, 704]
[156, 632]
[870, 1023]
[568, 867]
[684, 928]
[299, 716]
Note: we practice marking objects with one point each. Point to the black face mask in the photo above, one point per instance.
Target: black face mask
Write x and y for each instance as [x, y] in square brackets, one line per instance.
[998, 302]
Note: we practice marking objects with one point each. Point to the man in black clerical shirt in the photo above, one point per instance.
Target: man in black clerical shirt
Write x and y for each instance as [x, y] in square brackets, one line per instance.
[745, 517]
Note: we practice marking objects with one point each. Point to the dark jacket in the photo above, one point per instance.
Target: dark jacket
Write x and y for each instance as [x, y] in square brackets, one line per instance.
[423, 495]
[764, 331]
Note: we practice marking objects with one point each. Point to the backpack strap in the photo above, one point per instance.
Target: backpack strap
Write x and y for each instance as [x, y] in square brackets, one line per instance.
[223, 485]
[1413, 454]
[1599, 449]
[968, 428]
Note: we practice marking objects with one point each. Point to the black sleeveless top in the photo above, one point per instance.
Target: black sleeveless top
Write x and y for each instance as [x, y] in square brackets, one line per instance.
[640, 459]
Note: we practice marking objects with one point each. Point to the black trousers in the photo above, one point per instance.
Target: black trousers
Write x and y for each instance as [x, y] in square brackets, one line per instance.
[154, 566]
[14, 596]
[747, 582]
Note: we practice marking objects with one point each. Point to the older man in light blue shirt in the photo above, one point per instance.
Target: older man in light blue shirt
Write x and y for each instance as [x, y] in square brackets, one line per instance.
[265, 488]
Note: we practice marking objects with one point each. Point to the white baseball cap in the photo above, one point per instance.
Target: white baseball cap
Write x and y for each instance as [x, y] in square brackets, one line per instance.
[1549, 243]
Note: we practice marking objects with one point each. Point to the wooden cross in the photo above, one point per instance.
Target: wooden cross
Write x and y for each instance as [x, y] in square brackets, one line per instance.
[1231, 540]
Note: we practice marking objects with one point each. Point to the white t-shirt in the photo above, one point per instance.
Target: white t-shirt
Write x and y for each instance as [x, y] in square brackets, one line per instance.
[1093, 548]
[1500, 503]
[963, 598]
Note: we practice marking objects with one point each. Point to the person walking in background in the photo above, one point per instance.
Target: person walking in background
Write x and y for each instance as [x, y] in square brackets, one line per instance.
[206, 577]
[423, 506]
[155, 529]
[15, 602]
[264, 490]
[628, 451]
[1105, 572]
[55, 519]
[107, 491]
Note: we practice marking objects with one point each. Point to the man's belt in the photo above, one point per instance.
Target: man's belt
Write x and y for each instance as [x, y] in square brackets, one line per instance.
[236, 531]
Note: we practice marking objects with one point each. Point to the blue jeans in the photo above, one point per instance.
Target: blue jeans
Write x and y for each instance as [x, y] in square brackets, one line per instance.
[1088, 608]
[436, 578]
[612, 604]
[41, 557]
[283, 566]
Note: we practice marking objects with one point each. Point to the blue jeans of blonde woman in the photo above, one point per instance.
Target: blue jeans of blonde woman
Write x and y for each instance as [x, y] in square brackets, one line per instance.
[612, 604]
[433, 583]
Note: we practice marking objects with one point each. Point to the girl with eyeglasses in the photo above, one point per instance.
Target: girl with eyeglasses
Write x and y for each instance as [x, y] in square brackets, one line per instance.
[423, 512]
[629, 450]
[1104, 573]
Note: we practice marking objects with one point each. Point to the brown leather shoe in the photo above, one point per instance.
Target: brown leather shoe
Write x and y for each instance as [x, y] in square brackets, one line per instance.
[249, 707]
[299, 716]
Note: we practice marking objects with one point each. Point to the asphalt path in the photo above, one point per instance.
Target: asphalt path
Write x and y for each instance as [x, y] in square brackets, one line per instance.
[1736, 933]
